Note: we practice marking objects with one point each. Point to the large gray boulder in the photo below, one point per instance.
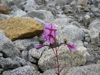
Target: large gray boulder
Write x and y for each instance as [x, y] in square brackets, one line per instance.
[72, 33]
[66, 58]
[7, 48]
[26, 70]
[85, 70]
[93, 69]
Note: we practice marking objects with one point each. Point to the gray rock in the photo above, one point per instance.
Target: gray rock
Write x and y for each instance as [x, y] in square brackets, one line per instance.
[36, 53]
[40, 2]
[52, 9]
[32, 59]
[13, 2]
[93, 69]
[49, 72]
[1, 54]
[18, 13]
[62, 21]
[30, 5]
[14, 8]
[25, 55]
[32, 65]
[87, 39]
[73, 33]
[41, 14]
[85, 70]
[86, 43]
[21, 61]
[94, 52]
[95, 24]
[7, 63]
[7, 48]
[3, 16]
[86, 35]
[26, 44]
[61, 16]
[50, 3]
[86, 20]
[94, 35]
[26, 70]
[28, 57]
[66, 58]
[41, 22]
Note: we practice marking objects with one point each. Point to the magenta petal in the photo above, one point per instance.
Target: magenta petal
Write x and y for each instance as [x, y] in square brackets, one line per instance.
[47, 25]
[72, 47]
[38, 46]
[46, 32]
[54, 33]
[49, 33]
[50, 39]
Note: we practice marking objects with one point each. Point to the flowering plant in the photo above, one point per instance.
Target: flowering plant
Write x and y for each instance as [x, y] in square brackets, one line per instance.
[49, 35]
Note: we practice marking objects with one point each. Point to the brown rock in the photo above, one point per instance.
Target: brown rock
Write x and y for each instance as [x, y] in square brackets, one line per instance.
[18, 28]
[4, 10]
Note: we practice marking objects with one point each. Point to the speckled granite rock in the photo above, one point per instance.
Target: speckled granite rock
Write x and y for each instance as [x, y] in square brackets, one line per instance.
[18, 28]
[66, 58]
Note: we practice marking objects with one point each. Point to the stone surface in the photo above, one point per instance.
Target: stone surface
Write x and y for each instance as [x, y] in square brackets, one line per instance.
[21, 61]
[3, 16]
[94, 35]
[41, 14]
[4, 10]
[7, 63]
[85, 70]
[18, 28]
[62, 21]
[26, 70]
[95, 24]
[93, 69]
[18, 13]
[72, 33]
[37, 53]
[66, 58]
[26, 44]
[94, 52]
[7, 48]
[30, 5]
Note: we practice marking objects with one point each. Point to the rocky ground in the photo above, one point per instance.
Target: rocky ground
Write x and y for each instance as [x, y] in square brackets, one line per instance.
[21, 26]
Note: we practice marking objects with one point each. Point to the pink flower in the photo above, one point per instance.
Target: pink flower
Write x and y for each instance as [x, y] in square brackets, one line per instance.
[38, 46]
[49, 33]
[49, 38]
[72, 47]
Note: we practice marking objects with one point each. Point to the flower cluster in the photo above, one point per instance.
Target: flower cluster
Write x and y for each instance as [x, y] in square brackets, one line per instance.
[49, 35]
